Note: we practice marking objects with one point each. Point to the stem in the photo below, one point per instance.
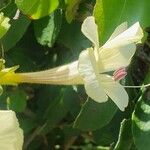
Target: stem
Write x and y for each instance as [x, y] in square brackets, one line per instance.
[33, 136]
[69, 143]
[142, 86]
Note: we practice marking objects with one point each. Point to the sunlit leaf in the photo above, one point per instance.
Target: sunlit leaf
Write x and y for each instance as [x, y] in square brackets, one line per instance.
[47, 28]
[4, 25]
[110, 13]
[37, 8]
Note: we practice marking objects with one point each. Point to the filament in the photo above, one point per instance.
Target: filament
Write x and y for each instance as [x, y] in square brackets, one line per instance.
[140, 86]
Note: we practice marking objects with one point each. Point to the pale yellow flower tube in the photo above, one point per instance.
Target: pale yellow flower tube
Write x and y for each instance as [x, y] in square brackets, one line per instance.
[63, 75]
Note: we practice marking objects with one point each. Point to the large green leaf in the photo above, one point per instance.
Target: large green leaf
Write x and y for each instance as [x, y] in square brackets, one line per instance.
[95, 115]
[71, 37]
[141, 122]
[27, 54]
[110, 13]
[13, 35]
[125, 140]
[27, 125]
[51, 106]
[109, 133]
[17, 100]
[141, 114]
[37, 8]
[56, 111]
[72, 102]
[17, 29]
[47, 28]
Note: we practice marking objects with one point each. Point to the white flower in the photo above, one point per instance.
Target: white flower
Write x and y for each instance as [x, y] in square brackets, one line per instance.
[11, 135]
[94, 63]
[92, 67]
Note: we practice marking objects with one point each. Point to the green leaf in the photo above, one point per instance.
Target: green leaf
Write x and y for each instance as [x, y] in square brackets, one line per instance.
[19, 56]
[95, 115]
[72, 102]
[27, 125]
[71, 37]
[4, 3]
[17, 100]
[141, 122]
[125, 140]
[45, 96]
[47, 28]
[141, 114]
[13, 35]
[37, 8]
[10, 10]
[105, 135]
[110, 13]
[4, 25]
[71, 9]
[70, 133]
[56, 111]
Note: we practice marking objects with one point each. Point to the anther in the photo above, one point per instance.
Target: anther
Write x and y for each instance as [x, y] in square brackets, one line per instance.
[119, 74]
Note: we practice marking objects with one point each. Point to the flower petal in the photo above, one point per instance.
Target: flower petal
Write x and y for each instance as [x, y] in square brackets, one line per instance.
[11, 136]
[89, 29]
[89, 71]
[132, 35]
[115, 91]
[121, 28]
[113, 59]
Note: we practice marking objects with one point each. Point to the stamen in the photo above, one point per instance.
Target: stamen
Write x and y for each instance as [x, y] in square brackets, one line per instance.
[119, 74]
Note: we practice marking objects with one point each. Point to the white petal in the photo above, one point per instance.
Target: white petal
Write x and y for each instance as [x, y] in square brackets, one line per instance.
[115, 91]
[132, 35]
[90, 30]
[121, 28]
[89, 71]
[113, 59]
[11, 136]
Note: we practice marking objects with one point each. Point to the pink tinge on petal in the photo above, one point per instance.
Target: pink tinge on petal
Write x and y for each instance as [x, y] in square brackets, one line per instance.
[119, 74]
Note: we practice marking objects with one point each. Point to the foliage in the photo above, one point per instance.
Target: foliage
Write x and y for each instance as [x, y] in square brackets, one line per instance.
[46, 34]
